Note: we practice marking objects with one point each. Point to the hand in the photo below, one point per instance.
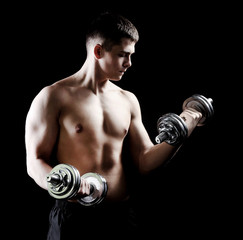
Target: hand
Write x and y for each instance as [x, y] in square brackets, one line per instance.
[191, 118]
[84, 190]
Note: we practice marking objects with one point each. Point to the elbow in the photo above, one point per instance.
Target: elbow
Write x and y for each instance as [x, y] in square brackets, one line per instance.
[29, 169]
[31, 166]
[37, 170]
[144, 165]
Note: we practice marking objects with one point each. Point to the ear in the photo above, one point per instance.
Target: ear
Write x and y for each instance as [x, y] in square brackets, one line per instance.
[98, 51]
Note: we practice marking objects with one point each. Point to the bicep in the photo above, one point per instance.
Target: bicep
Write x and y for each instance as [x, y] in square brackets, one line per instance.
[41, 129]
[139, 138]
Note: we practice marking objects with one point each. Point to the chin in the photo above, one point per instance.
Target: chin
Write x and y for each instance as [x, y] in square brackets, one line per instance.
[116, 78]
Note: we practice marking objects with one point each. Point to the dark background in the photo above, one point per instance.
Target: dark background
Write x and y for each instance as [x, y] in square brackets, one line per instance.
[183, 49]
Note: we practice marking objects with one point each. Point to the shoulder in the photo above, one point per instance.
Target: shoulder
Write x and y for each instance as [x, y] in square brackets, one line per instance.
[53, 92]
[125, 93]
[130, 98]
[133, 102]
[46, 94]
[48, 99]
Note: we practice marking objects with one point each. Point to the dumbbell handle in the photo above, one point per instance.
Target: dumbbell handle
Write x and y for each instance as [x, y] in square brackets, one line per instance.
[161, 137]
[56, 179]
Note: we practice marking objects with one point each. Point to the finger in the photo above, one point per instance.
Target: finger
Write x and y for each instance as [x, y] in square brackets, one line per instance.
[190, 112]
[83, 190]
[87, 188]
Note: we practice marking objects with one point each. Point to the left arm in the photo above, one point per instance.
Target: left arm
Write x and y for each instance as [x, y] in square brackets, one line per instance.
[147, 155]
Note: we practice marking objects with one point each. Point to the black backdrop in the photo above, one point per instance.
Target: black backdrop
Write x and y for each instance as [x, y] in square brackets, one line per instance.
[183, 49]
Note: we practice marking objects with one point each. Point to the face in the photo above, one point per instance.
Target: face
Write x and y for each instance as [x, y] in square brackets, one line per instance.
[114, 63]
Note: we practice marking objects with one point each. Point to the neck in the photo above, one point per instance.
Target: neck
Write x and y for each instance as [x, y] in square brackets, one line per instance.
[90, 77]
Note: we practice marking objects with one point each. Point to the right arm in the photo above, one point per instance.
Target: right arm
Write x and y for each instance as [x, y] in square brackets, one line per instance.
[41, 131]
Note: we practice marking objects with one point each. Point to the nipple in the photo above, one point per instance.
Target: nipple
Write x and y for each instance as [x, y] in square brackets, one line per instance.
[78, 128]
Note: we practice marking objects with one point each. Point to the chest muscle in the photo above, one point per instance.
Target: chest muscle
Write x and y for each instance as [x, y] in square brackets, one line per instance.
[109, 116]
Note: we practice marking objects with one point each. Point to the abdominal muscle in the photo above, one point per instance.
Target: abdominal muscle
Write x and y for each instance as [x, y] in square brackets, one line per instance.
[102, 156]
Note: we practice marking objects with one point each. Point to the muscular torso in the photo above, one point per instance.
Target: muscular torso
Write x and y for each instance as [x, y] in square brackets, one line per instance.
[92, 128]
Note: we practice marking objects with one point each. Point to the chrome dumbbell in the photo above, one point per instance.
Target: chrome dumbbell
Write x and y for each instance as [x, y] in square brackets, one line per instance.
[172, 128]
[63, 182]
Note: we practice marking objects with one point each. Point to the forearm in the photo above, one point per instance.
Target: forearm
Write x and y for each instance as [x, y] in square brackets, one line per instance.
[156, 156]
[38, 169]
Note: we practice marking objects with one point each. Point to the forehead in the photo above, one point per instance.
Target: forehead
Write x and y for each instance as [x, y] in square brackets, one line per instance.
[126, 45]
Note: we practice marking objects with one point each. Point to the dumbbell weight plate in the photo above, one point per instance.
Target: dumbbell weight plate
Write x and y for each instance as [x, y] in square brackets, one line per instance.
[201, 104]
[98, 192]
[172, 129]
[69, 181]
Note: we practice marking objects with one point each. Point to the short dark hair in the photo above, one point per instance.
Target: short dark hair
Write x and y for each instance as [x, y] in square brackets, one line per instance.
[111, 28]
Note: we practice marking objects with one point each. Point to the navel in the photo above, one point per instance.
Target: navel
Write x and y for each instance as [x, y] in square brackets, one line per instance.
[78, 128]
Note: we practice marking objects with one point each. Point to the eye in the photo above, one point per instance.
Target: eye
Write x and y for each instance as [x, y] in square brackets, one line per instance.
[121, 54]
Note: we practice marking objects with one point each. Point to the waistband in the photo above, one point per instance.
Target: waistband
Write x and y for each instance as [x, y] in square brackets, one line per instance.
[64, 204]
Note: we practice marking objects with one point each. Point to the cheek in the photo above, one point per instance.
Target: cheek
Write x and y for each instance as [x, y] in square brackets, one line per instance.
[112, 63]
[117, 64]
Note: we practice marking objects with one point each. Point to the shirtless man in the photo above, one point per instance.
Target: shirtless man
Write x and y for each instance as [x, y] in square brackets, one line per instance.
[82, 120]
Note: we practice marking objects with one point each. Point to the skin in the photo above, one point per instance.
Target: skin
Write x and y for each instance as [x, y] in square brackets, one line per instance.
[83, 119]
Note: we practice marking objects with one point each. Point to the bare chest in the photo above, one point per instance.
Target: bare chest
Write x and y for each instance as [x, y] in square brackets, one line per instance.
[109, 116]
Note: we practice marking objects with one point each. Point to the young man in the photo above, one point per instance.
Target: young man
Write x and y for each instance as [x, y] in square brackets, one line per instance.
[82, 120]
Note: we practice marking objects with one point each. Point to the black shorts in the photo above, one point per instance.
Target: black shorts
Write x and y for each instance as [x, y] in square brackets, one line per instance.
[73, 221]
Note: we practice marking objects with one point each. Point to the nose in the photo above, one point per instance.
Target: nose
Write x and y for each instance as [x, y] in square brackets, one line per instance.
[128, 62]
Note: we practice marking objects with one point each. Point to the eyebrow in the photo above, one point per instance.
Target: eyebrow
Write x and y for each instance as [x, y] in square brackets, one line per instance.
[127, 52]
